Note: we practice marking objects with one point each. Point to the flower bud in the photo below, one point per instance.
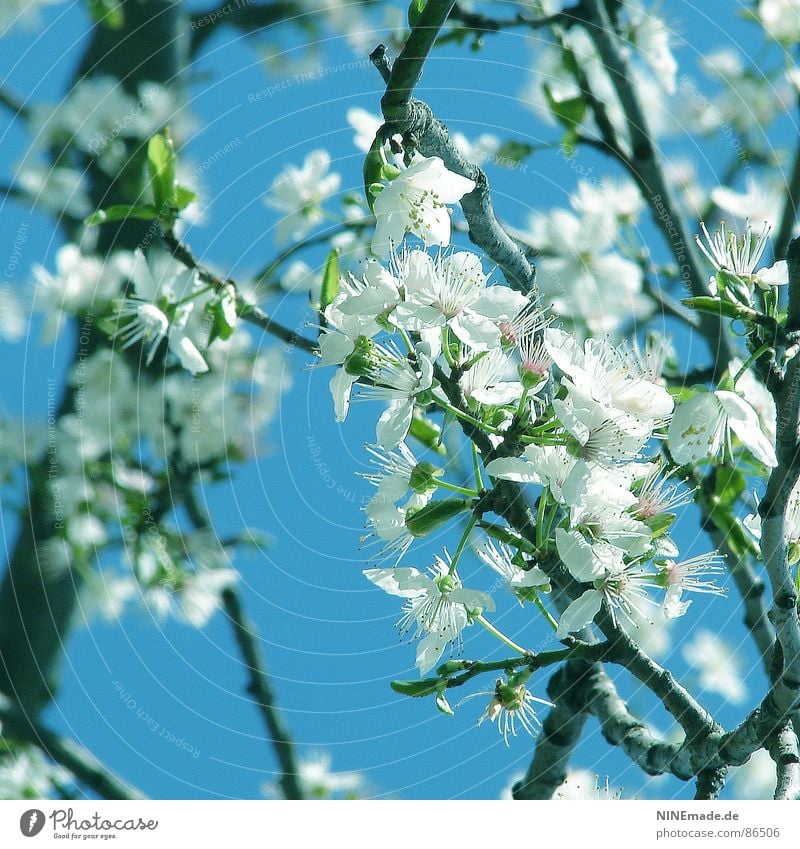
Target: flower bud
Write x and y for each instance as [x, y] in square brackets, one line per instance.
[359, 363]
[416, 689]
[423, 477]
[427, 519]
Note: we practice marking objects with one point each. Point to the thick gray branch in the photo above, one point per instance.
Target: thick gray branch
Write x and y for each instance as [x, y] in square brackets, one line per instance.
[783, 749]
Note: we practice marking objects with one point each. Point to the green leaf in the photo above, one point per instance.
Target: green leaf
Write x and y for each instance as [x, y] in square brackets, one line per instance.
[443, 705]
[109, 13]
[417, 689]
[222, 311]
[330, 281]
[121, 211]
[729, 485]
[568, 112]
[415, 10]
[161, 164]
[511, 153]
[659, 525]
[182, 197]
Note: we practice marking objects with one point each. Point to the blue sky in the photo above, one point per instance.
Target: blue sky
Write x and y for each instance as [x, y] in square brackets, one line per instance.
[128, 692]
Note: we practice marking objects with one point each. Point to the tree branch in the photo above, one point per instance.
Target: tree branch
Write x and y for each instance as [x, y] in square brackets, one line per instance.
[783, 749]
[560, 734]
[37, 601]
[251, 313]
[259, 685]
[414, 118]
[71, 755]
[261, 690]
[13, 103]
[645, 168]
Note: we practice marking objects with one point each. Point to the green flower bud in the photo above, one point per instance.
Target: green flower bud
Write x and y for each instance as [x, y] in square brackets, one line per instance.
[529, 379]
[427, 519]
[359, 363]
[417, 689]
[423, 477]
[446, 584]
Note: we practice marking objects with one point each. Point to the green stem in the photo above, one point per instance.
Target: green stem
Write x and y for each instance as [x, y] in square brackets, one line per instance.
[763, 349]
[466, 417]
[501, 636]
[195, 294]
[544, 611]
[462, 544]
[446, 347]
[476, 464]
[522, 402]
[460, 489]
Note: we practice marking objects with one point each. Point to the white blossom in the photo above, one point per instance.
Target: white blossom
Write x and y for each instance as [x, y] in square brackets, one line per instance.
[492, 380]
[166, 293]
[741, 255]
[397, 381]
[780, 18]
[298, 193]
[366, 126]
[499, 557]
[577, 256]
[416, 201]
[437, 607]
[703, 426]
[318, 781]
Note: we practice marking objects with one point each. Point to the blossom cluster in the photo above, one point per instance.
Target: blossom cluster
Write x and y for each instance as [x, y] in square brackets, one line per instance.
[155, 395]
[589, 430]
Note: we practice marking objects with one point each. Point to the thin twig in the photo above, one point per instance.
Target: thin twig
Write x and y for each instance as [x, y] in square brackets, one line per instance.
[13, 103]
[415, 119]
[249, 312]
[259, 685]
[261, 690]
